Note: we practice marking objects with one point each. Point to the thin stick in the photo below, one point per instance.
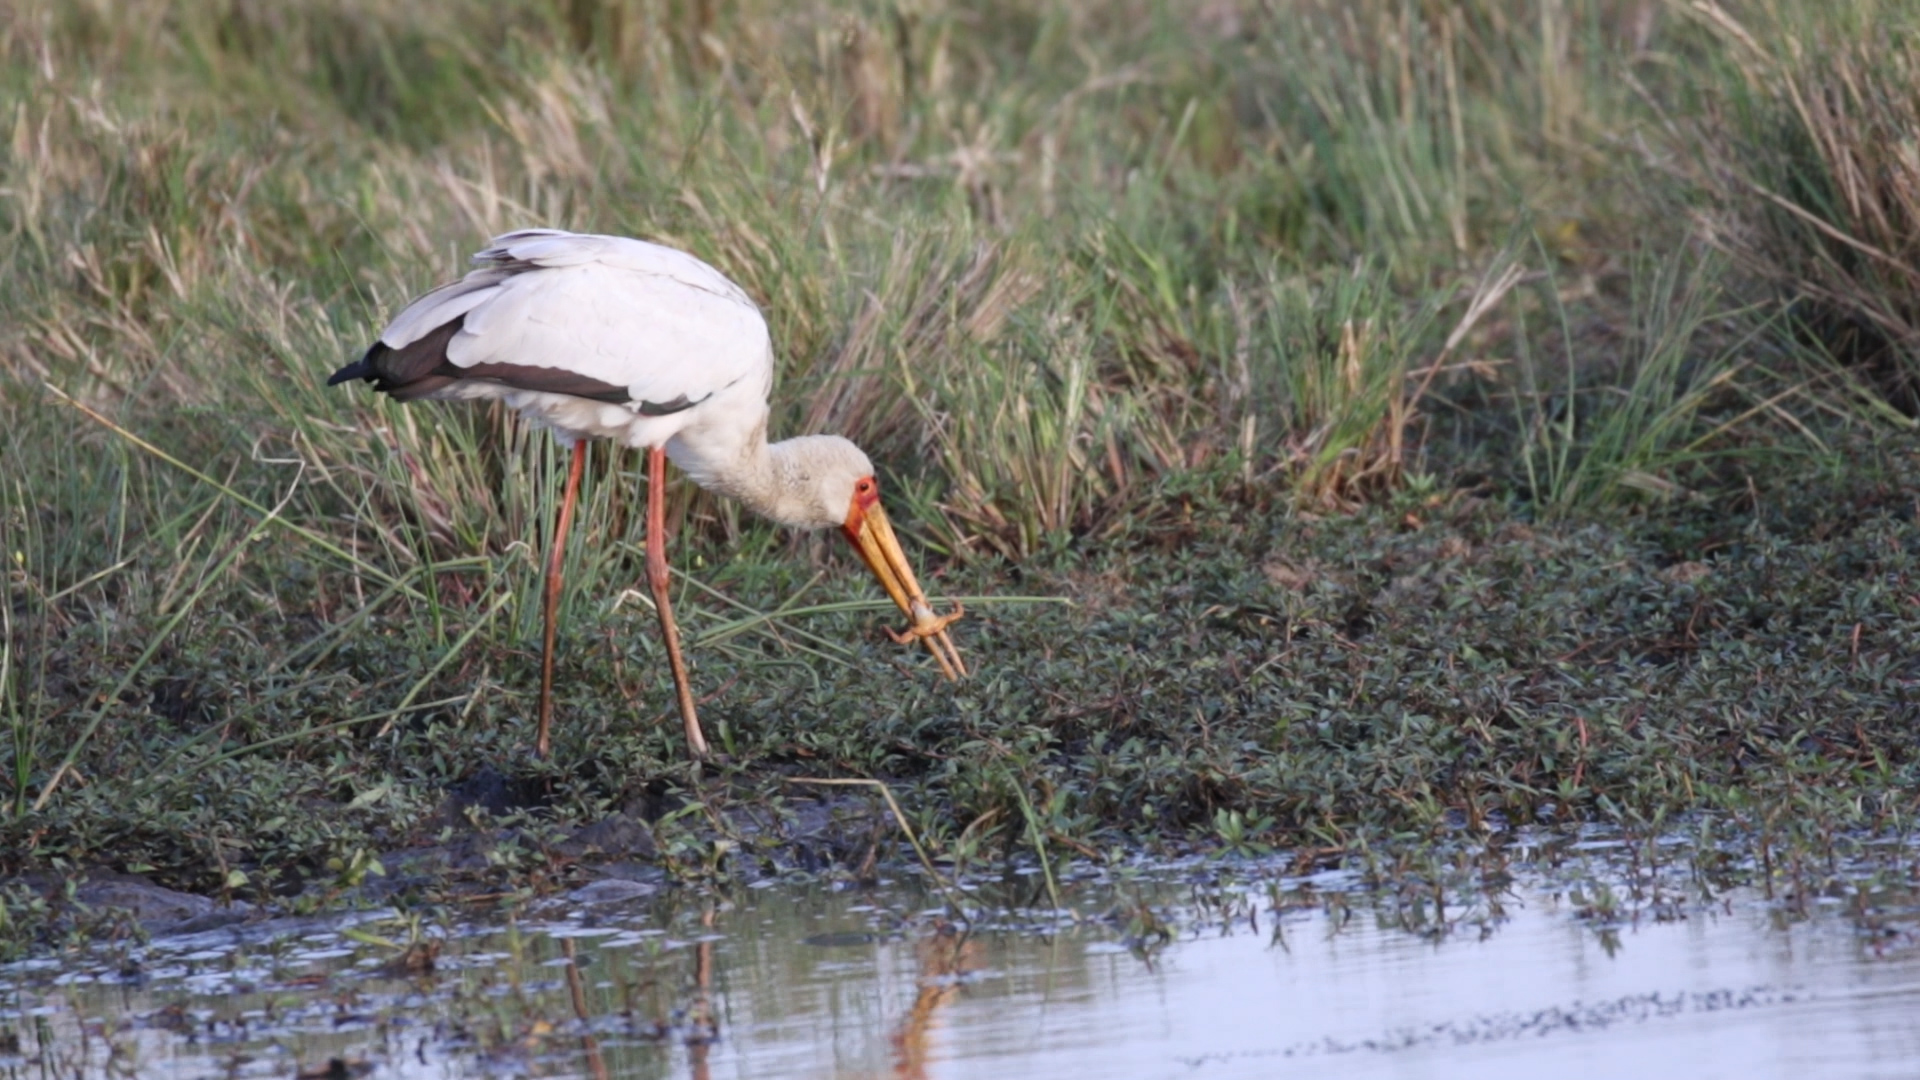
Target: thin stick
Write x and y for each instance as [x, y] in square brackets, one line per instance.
[786, 613]
[900, 818]
[107, 703]
[161, 772]
[309, 535]
[326, 640]
[452, 651]
[1036, 837]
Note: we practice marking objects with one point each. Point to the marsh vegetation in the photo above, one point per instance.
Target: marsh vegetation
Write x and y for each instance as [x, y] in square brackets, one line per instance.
[1435, 416]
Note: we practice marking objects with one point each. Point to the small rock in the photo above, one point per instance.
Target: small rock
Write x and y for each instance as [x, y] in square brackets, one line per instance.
[610, 891]
[616, 834]
[159, 909]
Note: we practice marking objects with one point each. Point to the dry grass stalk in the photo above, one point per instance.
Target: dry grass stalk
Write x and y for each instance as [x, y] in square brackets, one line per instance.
[1814, 173]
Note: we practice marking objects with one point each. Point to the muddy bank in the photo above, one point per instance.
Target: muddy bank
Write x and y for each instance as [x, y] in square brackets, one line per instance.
[475, 858]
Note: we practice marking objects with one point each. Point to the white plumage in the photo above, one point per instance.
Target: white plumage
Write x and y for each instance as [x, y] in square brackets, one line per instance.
[654, 321]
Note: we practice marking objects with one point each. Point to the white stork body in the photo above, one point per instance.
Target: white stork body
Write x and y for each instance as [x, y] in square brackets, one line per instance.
[686, 344]
[607, 337]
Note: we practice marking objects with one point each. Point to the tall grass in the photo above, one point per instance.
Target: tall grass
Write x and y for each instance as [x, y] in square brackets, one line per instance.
[1596, 431]
[1095, 222]
[1809, 172]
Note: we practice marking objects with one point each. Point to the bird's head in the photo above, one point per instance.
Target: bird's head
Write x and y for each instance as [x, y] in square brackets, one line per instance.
[844, 487]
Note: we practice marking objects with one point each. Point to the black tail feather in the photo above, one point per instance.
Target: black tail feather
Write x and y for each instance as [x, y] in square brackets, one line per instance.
[359, 369]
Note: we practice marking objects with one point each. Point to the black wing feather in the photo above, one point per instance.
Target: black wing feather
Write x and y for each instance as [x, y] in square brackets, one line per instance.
[417, 370]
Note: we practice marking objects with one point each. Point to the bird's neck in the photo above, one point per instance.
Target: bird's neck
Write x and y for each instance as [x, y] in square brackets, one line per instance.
[769, 478]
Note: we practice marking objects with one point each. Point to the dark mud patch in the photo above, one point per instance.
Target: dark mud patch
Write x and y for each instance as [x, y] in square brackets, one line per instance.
[475, 857]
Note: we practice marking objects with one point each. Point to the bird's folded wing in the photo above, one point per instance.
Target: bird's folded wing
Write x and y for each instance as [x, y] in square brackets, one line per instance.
[551, 248]
[665, 341]
[440, 307]
[556, 311]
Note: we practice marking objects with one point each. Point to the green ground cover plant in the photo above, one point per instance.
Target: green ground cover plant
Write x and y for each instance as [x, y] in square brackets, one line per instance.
[1434, 417]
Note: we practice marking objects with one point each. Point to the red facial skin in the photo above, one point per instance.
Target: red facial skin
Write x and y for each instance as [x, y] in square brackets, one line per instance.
[866, 492]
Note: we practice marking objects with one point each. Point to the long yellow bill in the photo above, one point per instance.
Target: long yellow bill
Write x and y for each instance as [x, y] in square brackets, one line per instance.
[872, 536]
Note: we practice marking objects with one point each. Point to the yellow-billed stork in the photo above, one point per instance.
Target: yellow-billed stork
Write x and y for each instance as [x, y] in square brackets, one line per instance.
[608, 337]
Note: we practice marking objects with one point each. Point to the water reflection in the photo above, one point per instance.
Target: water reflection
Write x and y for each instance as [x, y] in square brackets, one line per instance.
[945, 957]
[1179, 973]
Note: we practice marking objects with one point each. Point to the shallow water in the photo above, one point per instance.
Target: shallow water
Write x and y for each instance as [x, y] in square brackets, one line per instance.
[1205, 970]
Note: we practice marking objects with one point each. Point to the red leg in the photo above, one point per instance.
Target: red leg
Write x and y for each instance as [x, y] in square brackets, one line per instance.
[657, 578]
[543, 741]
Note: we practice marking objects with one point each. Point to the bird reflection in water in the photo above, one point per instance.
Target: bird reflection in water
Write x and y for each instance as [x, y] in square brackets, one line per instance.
[944, 957]
[576, 989]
